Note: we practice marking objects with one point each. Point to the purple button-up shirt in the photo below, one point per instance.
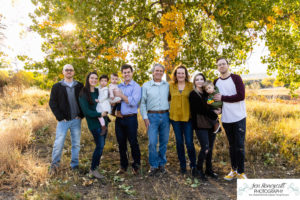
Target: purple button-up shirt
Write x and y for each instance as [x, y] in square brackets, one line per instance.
[133, 92]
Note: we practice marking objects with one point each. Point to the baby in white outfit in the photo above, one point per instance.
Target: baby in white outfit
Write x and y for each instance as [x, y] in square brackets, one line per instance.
[114, 100]
[103, 102]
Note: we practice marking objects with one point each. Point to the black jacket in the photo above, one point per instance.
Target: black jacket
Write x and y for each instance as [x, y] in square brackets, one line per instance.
[198, 105]
[59, 103]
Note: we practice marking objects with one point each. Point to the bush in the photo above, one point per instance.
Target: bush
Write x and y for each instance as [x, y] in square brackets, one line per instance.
[42, 81]
[25, 79]
[4, 78]
[267, 82]
[22, 78]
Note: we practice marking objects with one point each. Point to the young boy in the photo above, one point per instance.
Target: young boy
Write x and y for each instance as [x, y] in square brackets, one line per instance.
[211, 90]
[114, 86]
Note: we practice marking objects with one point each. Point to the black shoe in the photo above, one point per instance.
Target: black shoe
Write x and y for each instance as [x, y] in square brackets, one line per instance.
[183, 170]
[135, 170]
[153, 171]
[162, 169]
[194, 171]
[211, 174]
[202, 176]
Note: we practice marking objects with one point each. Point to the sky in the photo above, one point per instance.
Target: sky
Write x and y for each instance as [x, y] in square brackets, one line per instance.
[20, 41]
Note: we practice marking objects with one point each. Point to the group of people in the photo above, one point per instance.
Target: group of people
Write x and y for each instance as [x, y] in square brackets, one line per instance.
[188, 106]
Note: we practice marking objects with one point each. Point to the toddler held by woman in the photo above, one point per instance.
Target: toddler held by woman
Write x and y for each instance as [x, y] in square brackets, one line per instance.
[103, 102]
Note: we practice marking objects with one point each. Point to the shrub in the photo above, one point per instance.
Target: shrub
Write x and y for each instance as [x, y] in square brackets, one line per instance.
[267, 82]
[4, 78]
[22, 78]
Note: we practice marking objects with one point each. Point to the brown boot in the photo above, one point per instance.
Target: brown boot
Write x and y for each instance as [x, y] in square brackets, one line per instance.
[119, 114]
[103, 130]
[217, 127]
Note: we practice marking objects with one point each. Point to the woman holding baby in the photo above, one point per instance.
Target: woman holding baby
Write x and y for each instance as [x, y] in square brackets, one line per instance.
[203, 118]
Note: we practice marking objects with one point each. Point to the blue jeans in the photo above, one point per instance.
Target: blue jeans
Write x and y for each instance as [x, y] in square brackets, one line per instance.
[236, 133]
[126, 129]
[184, 132]
[61, 131]
[159, 127]
[100, 142]
[206, 138]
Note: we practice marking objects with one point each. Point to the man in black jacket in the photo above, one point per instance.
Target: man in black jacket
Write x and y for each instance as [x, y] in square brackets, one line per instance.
[65, 106]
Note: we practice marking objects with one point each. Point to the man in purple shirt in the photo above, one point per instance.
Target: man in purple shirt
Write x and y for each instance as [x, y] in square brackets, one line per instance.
[126, 126]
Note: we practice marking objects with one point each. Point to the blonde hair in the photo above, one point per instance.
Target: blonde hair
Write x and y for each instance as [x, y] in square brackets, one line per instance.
[207, 83]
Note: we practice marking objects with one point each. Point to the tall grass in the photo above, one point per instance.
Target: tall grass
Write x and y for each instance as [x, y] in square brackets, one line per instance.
[20, 118]
[274, 131]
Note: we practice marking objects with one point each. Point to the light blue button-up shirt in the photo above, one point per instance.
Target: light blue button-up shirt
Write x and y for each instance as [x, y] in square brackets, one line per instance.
[133, 92]
[154, 97]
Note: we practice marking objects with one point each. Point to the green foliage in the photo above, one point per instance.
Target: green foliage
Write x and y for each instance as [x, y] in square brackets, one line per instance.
[282, 38]
[42, 81]
[171, 32]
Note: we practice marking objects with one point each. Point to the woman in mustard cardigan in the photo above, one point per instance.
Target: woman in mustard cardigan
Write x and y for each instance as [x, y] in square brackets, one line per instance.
[180, 118]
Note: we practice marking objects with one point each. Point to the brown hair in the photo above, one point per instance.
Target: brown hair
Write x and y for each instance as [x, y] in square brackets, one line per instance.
[126, 66]
[222, 58]
[115, 74]
[207, 83]
[104, 76]
[175, 73]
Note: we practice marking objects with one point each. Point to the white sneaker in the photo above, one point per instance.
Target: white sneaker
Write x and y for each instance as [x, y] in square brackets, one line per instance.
[232, 174]
[242, 176]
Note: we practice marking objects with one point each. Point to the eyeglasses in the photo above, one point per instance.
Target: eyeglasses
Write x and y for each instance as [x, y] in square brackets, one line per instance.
[69, 70]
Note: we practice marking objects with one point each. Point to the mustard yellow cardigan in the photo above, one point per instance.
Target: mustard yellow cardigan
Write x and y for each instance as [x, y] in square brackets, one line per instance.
[179, 105]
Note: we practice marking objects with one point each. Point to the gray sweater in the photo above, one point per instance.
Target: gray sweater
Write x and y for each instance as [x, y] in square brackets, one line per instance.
[71, 98]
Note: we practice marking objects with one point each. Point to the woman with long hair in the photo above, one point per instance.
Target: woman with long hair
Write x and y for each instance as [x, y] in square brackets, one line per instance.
[201, 116]
[180, 89]
[87, 97]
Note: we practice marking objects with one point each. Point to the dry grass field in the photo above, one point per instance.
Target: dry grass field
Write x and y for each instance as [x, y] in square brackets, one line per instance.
[27, 131]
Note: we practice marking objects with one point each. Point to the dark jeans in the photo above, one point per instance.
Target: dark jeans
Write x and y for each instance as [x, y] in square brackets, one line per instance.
[236, 133]
[184, 132]
[100, 142]
[206, 139]
[126, 129]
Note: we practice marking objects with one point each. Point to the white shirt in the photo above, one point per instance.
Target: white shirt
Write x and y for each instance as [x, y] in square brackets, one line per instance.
[231, 112]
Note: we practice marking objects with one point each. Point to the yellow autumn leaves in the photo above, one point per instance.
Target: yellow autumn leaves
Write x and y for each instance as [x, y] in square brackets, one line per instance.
[172, 26]
[112, 53]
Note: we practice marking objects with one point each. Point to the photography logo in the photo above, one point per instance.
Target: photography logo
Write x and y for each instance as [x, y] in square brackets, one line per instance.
[282, 189]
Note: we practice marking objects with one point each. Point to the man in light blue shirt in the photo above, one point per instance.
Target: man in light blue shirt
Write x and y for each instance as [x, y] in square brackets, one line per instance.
[126, 126]
[155, 112]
